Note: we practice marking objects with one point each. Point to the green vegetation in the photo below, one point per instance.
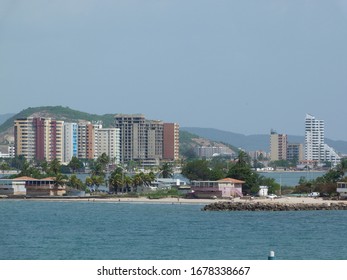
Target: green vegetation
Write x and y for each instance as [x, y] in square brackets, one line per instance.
[164, 193]
[219, 168]
[187, 144]
[325, 184]
[166, 171]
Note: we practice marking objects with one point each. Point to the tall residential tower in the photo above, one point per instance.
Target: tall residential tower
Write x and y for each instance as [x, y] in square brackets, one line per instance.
[315, 148]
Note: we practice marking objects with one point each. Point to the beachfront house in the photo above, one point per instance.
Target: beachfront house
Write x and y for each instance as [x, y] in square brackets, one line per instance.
[342, 189]
[224, 188]
[12, 187]
[44, 187]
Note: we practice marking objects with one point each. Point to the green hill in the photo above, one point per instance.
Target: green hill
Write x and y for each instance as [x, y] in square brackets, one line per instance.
[60, 113]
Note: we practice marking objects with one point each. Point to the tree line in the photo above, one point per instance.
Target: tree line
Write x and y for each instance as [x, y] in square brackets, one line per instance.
[118, 180]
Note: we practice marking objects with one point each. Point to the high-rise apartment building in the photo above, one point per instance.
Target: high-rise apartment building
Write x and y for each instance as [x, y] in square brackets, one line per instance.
[314, 139]
[24, 138]
[108, 142]
[132, 136]
[87, 137]
[146, 140]
[54, 139]
[278, 146]
[39, 138]
[154, 140]
[171, 144]
[315, 148]
[295, 152]
[70, 141]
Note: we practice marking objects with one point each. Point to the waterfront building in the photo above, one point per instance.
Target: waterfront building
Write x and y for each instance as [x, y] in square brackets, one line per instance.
[146, 141]
[171, 141]
[87, 137]
[14, 186]
[70, 141]
[278, 146]
[43, 187]
[331, 155]
[314, 139]
[131, 136]
[39, 138]
[315, 148]
[153, 146]
[342, 189]
[224, 188]
[54, 140]
[24, 138]
[31, 187]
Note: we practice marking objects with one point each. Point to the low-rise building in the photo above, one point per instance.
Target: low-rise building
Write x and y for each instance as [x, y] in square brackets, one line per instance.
[44, 187]
[12, 186]
[224, 188]
[342, 189]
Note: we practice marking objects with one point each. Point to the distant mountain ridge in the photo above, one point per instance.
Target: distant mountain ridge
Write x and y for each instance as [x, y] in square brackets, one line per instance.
[5, 117]
[254, 142]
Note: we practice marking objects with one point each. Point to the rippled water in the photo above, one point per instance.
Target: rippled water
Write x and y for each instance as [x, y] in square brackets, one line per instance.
[93, 230]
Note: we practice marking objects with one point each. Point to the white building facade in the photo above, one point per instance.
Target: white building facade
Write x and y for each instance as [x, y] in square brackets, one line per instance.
[108, 142]
[315, 148]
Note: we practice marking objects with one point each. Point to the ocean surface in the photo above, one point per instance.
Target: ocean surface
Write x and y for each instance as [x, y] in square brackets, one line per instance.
[52, 230]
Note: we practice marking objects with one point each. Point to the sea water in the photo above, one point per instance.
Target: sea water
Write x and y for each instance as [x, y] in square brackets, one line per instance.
[52, 230]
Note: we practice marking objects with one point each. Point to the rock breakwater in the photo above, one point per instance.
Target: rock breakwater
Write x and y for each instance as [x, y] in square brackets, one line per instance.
[261, 206]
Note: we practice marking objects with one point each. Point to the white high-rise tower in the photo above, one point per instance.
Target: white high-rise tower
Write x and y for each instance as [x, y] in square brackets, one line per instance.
[315, 148]
[314, 139]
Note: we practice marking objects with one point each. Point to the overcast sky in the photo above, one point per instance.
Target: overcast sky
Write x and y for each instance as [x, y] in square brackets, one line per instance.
[237, 65]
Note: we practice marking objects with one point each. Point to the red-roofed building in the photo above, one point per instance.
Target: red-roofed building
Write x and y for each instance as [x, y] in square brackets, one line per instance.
[224, 188]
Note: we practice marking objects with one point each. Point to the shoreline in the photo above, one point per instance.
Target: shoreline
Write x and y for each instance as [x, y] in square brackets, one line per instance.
[172, 200]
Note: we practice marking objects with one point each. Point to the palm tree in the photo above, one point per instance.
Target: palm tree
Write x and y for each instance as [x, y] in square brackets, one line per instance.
[25, 170]
[103, 160]
[149, 178]
[75, 164]
[137, 181]
[94, 181]
[116, 181]
[97, 181]
[127, 182]
[75, 183]
[59, 180]
[54, 167]
[97, 169]
[166, 170]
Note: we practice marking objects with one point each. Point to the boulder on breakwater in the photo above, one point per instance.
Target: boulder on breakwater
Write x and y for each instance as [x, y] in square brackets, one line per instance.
[260, 206]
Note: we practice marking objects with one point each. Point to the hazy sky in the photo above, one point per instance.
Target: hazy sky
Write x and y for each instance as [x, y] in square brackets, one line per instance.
[237, 65]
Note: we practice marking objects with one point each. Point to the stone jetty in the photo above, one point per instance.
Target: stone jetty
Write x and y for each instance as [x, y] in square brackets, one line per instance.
[263, 206]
